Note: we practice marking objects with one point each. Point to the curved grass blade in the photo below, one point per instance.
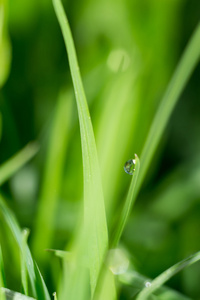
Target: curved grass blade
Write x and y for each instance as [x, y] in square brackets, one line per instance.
[187, 64]
[37, 283]
[166, 275]
[11, 295]
[95, 225]
[130, 199]
[11, 166]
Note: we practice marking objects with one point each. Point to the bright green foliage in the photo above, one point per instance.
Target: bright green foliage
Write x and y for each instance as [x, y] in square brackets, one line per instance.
[95, 228]
[127, 51]
[37, 284]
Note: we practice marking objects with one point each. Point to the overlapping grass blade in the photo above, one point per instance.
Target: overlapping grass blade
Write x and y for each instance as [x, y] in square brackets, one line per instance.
[166, 275]
[96, 241]
[188, 62]
[11, 295]
[53, 175]
[25, 234]
[2, 276]
[11, 166]
[128, 205]
[37, 283]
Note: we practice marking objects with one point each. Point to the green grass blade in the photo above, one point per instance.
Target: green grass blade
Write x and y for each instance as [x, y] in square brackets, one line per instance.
[25, 234]
[179, 80]
[52, 180]
[2, 276]
[11, 166]
[94, 210]
[37, 283]
[128, 205]
[5, 48]
[166, 275]
[11, 295]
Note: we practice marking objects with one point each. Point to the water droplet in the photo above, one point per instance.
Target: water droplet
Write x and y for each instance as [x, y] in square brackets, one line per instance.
[147, 284]
[129, 166]
[117, 261]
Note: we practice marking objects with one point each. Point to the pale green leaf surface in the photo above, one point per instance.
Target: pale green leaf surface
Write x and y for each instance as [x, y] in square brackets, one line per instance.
[11, 166]
[37, 283]
[11, 295]
[96, 241]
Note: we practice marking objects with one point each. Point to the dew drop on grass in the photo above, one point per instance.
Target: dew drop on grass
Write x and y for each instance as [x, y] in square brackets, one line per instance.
[129, 166]
[147, 284]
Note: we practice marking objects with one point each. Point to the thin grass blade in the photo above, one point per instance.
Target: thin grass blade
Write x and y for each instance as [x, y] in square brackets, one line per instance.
[127, 206]
[11, 166]
[25, 234]
[52, 180]
[2, 276]
[166, 275]
[187, 64]
[95, 225]
[37, 283]
[5, 47]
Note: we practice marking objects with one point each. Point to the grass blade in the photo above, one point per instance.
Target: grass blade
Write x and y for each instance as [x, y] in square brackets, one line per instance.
[94, 210]
[11, 295]
[166, 275]
[11, 166]
[52, 180]
[2, 276]
[128, 205]
[25, 234]
[37, 283]
[188, 62]
[5, 47]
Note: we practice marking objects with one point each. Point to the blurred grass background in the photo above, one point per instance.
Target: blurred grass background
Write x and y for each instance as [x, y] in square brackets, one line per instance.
[127, 51]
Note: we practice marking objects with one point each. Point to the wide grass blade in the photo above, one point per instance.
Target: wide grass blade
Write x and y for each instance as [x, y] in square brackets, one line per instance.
[37, 283]
[127, 206]
[96, 241]
[11, 166]
[11, 295]
[188, 62]
[166, 275]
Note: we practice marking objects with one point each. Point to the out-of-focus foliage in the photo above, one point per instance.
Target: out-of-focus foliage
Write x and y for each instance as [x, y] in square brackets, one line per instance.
[5, 48]
[127, 52]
